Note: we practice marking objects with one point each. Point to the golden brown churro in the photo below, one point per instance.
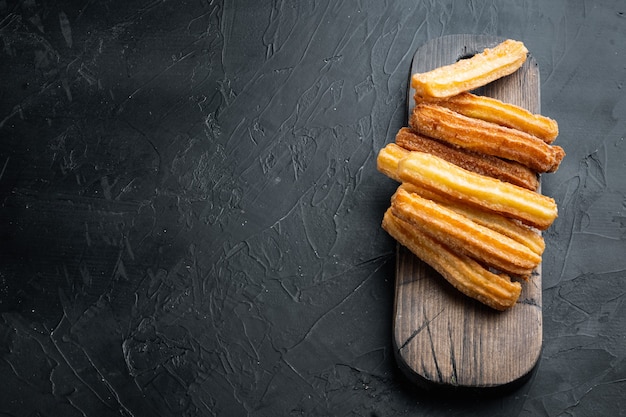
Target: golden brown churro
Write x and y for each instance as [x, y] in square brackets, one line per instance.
[441, 123]
[492, 166]
[468, 74]
[462, 235]
[468, 202]
[513, 229]
[388, 159]
[435, 174]
[504, 114]
[465, 274]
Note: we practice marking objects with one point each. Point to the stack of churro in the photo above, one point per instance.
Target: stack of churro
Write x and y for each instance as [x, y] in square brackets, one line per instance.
[468, 202]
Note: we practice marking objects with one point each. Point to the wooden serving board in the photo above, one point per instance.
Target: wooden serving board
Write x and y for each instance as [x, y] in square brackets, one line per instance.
[442, 337]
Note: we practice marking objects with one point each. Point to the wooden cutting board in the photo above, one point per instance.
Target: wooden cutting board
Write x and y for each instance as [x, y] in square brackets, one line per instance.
[442, 337]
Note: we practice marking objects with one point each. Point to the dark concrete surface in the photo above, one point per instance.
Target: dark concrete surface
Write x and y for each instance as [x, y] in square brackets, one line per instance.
[190, 209]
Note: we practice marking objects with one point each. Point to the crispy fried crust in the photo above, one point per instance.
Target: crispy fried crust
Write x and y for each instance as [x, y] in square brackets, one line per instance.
[435, 174]
[465, 274]
[462, 235]
[388, 159]
[477, 135]
[468, 74]
[504, 114]
[513, 229]
[492, 166]
[468, 200]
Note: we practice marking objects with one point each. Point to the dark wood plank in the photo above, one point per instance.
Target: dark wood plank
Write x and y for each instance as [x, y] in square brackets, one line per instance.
[441, 336]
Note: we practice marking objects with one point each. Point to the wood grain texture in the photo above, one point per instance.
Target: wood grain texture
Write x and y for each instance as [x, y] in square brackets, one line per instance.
[442, 337]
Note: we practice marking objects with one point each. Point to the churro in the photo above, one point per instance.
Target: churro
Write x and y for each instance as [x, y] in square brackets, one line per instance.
[489, 165]
[468, 203]
[468, 74]
[388, 159]
[480, 136]
[465, 274]
[433, 173]
[504, 114]
[462, 235]
[511, 228]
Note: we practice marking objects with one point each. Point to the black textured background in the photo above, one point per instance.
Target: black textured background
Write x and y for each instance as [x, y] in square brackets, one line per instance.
[190, 210]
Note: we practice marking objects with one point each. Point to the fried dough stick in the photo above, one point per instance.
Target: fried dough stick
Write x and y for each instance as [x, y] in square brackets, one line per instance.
[388, 160]
[468, 74]
[513, 229]
[492, 166]
[446, 125]
[504, 114]
[465, 274]
[442, 177]
[462, 235]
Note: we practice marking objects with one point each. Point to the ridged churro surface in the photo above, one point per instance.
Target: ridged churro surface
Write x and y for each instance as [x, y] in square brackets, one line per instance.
[468, 74]
[435, 174]
[465, 274]
[477, 135]
[489, 165]
[505, 114]
[461, 234]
